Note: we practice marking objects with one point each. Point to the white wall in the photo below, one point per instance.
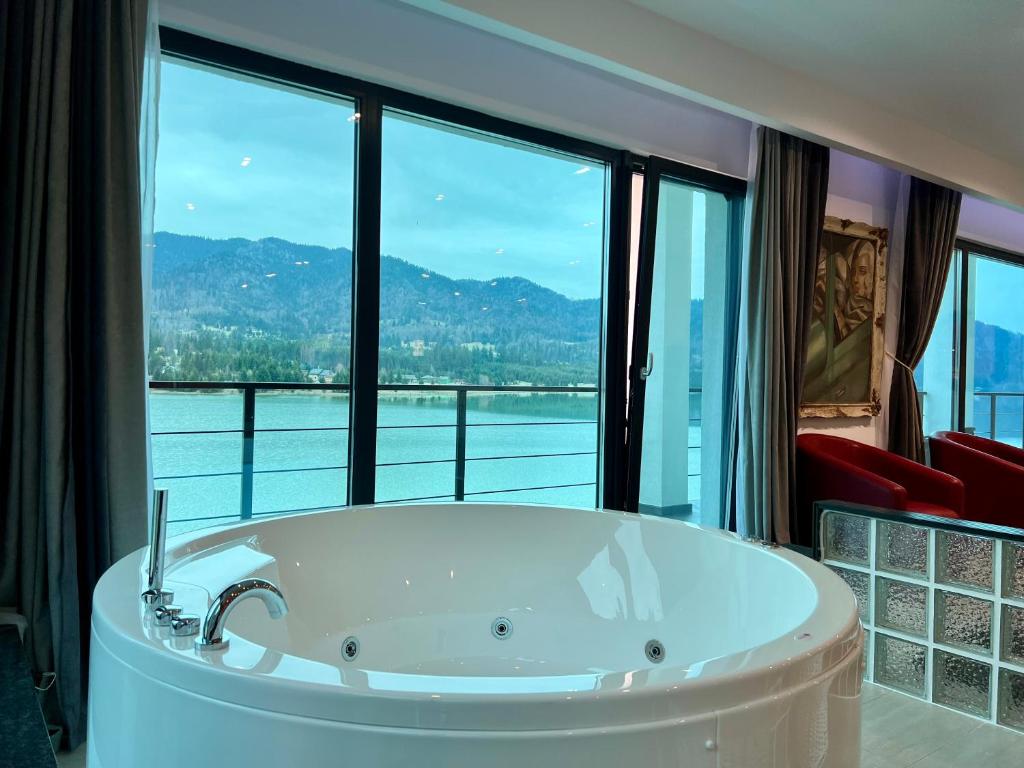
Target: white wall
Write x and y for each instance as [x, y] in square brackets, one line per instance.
[392, 43]
[623, 38]
[992, 224]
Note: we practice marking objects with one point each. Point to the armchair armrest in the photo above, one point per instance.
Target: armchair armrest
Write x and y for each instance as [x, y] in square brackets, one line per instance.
[827, 477]
[927, 484]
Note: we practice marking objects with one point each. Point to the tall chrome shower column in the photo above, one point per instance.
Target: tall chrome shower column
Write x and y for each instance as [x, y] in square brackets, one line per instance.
[155, 594]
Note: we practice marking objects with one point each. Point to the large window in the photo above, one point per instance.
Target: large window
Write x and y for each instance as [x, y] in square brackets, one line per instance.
[363, 295]
[252, 282]
[972, 373]
[492, 255]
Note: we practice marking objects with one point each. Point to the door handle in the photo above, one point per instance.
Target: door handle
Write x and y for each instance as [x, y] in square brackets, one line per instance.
[648, 369]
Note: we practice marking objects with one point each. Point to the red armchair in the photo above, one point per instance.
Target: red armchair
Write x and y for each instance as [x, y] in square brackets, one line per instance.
[834, 468]
[992, 474]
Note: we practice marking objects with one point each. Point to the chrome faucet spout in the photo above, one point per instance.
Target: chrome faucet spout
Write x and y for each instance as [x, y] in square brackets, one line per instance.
[217, 617]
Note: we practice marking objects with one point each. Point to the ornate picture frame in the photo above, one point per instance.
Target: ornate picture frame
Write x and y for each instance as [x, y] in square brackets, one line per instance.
[846, 340]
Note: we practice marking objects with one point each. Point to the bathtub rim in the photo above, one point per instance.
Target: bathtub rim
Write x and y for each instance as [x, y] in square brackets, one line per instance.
[118, 623]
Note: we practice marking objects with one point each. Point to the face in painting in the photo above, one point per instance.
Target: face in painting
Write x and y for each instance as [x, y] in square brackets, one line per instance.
[861, 274]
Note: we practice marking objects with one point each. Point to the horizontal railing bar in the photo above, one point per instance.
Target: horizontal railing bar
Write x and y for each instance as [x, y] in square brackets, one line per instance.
[301, 429]
[416, 426]
[534, 488]
[480, 388]
[204, 519]
[415, 498]
[266, 386]
[416, 463]
[486, 458]
[298, 509]
[381, 426]
[487, 424]
[526, 423]
[296, 469]
[200, 432]
[263, 472]
[531, 456]
[257, 385]
[190, 477]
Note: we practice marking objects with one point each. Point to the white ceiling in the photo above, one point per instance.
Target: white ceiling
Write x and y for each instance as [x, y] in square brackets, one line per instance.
[954, 65]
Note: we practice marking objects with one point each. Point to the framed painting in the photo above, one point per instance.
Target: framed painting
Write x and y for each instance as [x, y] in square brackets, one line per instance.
[846, 340]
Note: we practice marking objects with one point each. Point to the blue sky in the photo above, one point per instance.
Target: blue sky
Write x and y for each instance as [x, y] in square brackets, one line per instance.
[999, 294]
[243, 159]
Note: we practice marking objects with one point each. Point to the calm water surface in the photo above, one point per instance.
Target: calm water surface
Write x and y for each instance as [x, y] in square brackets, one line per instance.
[300, 453]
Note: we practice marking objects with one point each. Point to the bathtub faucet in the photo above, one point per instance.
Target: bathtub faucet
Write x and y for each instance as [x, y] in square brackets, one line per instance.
[213, 629]
[155, 595]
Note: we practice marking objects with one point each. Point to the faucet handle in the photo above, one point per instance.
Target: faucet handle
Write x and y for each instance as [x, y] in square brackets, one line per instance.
[185, 625]
[155, 598]
[165, 614]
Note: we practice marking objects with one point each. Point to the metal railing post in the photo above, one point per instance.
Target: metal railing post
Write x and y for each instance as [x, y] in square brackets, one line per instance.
[1022, 425]
[992, 415]
[460, 445]
[248, 438]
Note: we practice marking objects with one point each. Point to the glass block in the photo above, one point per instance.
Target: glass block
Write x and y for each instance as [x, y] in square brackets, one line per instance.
[847, 538]
[1013, 570]
[965, 560]
[961, 683]
[902, 548]
[1010, 707]
[1011, 643]
[963, 621]
[860, 583]
[901, 606]
[865, 655]
[900, 664]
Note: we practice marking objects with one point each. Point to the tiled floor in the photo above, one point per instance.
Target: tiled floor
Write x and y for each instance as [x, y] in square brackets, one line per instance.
[897, 732]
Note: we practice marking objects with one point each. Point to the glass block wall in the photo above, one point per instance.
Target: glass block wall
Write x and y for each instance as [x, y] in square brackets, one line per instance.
[943, 611]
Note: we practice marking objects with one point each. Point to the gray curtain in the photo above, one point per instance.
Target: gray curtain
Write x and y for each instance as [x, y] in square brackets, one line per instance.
[786, 211]
[933, 213]
[72, 383]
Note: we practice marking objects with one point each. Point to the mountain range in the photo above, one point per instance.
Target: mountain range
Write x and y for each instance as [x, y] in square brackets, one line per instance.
[238, 289]
[224, 299]
[295, 290]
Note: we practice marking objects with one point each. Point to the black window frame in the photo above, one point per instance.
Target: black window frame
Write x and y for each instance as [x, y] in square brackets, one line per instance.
[967, 248]
[371, 101]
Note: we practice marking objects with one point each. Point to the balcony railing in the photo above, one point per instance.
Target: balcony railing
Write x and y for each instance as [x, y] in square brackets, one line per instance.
[248, 469]
[1009, 428]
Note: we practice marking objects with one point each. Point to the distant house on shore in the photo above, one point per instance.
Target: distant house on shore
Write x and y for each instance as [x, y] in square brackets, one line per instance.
[320, 376]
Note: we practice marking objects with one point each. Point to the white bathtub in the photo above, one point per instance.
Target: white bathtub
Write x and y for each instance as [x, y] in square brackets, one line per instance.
[761, 661]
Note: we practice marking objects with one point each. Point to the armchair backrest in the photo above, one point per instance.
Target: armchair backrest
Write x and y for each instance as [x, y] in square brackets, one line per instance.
[991, 447]
[994, 485]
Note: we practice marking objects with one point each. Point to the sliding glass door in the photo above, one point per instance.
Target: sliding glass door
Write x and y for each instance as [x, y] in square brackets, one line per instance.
[684, 321]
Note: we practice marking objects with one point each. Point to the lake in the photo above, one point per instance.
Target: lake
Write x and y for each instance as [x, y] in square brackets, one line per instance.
[300, 451]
